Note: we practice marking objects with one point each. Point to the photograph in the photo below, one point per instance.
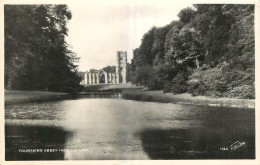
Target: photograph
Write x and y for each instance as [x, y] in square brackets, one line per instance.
[129, 80]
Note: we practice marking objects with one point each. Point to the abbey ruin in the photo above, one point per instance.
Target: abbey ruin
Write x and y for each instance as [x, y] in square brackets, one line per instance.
[101, 76]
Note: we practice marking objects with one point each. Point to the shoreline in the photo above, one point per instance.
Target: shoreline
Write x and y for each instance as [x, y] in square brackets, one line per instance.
[21, 97]
[159, 96]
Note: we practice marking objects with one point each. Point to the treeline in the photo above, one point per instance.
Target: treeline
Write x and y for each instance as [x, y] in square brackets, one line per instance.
[36, 53]
[209, 51]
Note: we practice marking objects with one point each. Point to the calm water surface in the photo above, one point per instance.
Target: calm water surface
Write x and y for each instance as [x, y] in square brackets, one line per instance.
[109, 128]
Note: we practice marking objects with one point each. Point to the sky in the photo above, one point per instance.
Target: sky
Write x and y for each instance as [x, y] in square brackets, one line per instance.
[98, 29]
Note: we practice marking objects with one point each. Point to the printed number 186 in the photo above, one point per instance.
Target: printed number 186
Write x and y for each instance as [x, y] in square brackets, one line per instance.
[223, 148]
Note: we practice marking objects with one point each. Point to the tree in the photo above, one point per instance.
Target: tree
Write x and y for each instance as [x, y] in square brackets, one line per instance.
[145, 49]
[186, 15]
[208, 40]
[158, 44]
[37, 56]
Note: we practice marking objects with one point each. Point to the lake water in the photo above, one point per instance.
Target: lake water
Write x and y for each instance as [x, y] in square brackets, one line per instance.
[114, 128]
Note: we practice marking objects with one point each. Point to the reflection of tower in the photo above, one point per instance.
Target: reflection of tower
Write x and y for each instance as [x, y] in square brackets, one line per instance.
[121, 59]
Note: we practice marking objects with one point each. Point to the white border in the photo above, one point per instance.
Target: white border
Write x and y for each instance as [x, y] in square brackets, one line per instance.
[132, 162]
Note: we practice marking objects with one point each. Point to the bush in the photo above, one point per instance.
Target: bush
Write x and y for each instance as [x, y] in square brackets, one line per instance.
[157, 78]
[175, 88]
[220, 86]
[178, 84]
[143, 75]
[149, 77]
[179, 88]
[167, 87]
[154, 83]
[204, 67]
[197, 88]
[242, 92]
[216, 82]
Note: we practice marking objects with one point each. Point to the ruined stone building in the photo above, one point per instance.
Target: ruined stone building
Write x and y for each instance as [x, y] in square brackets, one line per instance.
[101, 76]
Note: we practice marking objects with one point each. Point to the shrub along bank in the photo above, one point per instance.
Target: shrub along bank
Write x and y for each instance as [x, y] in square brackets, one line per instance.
[159, 96]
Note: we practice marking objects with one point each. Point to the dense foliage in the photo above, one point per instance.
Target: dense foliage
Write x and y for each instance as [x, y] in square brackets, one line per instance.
[36, 53]
[209, 51]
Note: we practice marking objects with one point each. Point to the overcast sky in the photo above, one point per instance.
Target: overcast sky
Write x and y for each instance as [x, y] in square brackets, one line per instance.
[98, 29]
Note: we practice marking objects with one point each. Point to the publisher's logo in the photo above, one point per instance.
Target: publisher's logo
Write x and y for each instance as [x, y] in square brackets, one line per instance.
[233, 146]
[237, 145]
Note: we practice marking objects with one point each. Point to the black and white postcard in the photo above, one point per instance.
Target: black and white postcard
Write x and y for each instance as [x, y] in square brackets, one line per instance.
[129, 82]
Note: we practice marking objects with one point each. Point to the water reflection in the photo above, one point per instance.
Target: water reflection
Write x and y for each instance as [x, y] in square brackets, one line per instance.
[106, 128]
[21, 140]
[195, 144]
[123, 129]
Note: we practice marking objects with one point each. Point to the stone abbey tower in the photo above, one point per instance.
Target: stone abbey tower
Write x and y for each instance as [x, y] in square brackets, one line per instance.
[101, 76]
[121, 59]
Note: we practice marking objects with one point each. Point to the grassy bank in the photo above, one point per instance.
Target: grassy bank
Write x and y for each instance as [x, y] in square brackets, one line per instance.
[94, 88]
[17, 97]
[109, 87]
[159, 96]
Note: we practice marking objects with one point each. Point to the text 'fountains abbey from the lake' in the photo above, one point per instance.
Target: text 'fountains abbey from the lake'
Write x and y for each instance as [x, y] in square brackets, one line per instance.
[101, 76]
